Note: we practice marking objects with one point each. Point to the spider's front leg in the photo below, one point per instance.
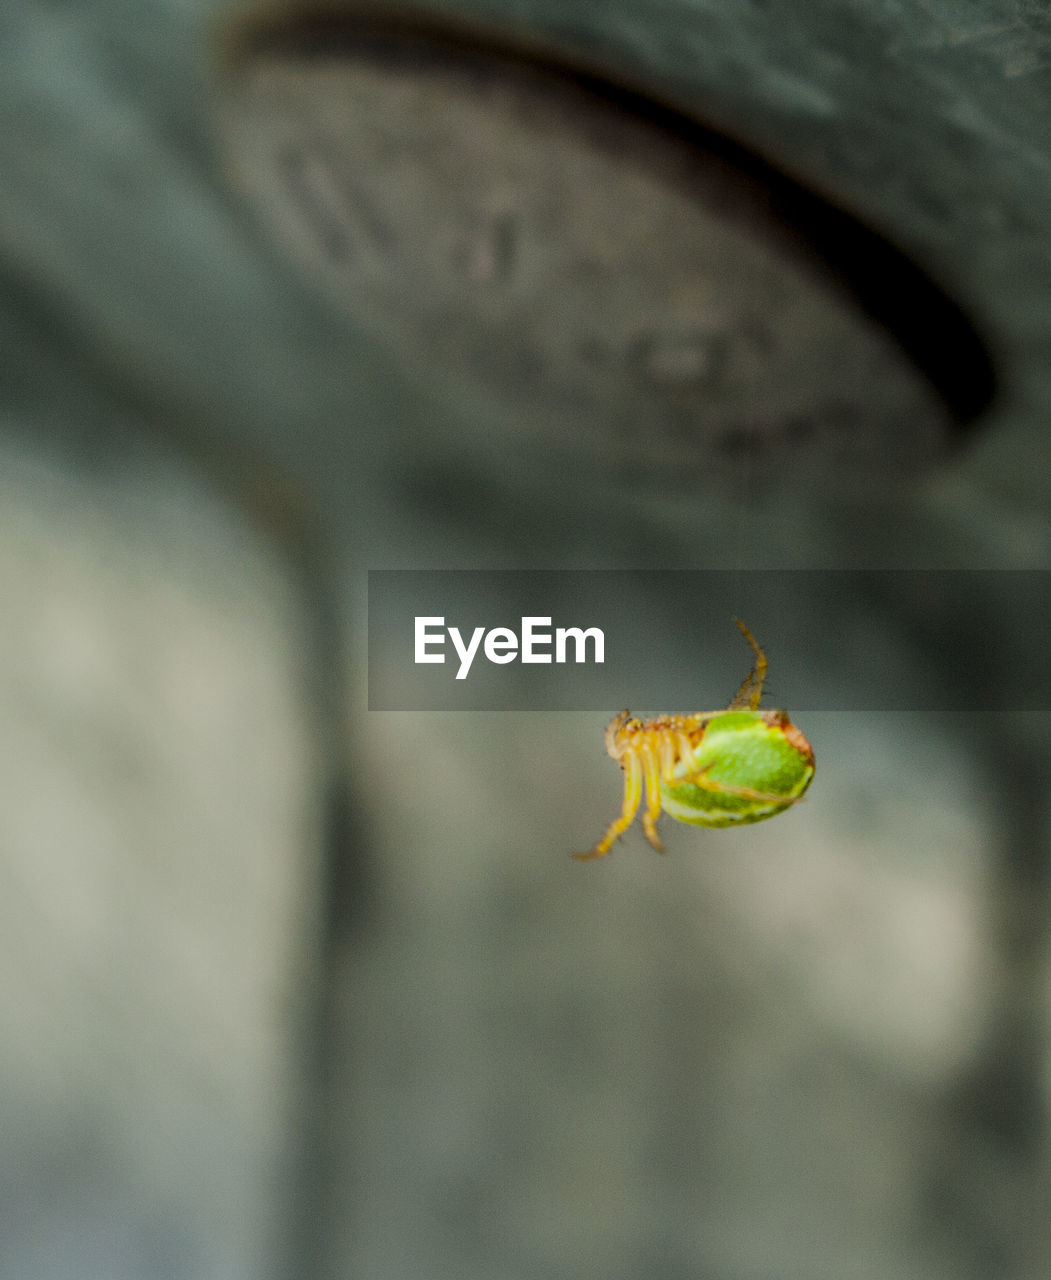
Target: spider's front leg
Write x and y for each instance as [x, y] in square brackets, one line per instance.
[632, 798]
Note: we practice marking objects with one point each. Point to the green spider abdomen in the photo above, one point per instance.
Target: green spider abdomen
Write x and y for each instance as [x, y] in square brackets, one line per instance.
[749, 765]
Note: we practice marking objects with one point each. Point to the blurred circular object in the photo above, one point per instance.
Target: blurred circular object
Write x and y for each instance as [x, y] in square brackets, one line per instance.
[606, 276]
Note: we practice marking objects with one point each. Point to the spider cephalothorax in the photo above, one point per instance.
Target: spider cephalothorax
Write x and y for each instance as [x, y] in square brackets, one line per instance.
[711, 768]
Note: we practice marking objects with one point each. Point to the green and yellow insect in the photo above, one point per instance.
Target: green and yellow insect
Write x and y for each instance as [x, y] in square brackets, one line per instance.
[712, 768]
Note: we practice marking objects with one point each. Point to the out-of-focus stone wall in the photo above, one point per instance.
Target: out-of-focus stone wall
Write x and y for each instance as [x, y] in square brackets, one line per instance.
[158, 835]
[814, 1048]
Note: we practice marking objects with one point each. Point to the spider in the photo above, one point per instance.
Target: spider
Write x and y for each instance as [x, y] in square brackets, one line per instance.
[711, 768]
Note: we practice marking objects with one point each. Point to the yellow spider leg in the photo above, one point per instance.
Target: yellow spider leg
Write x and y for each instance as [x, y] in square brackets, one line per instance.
[747, 793]
[671, 752]
[632, 799]
[653, 800]
[686, 750]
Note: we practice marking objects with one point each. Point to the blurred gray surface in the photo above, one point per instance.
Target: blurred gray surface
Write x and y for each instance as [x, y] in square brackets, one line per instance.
[157, 834]
[636, 298]
[811, 1049]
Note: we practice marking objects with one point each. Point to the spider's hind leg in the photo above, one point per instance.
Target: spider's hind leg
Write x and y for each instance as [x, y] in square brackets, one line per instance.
[700, 779]
[750, 694]
[745, 698]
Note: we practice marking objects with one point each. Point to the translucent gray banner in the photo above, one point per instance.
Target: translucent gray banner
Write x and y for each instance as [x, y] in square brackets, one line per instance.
[901, 640]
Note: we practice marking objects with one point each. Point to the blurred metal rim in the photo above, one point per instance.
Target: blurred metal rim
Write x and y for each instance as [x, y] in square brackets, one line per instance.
[615, 282]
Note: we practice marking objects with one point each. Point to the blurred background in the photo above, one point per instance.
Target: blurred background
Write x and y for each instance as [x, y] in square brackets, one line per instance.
[292, 988]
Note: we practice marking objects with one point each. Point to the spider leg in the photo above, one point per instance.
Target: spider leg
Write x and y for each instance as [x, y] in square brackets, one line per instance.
[632, 798]
[653, 799]
[756, 677]
[698, 779]
[686, 748]
[745, 695]
[673, 748]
